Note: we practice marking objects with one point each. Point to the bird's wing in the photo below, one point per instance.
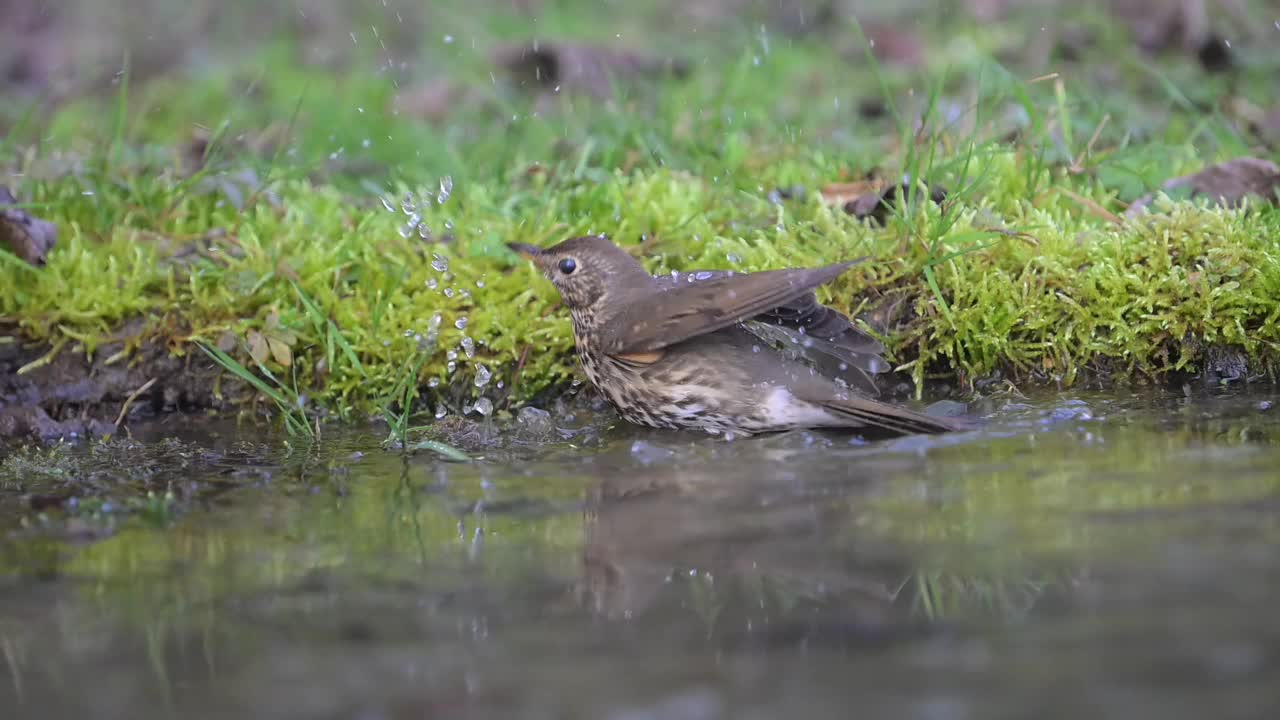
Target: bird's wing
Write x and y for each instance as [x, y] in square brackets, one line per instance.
[836, 359]
[803, 313]
[688, 309]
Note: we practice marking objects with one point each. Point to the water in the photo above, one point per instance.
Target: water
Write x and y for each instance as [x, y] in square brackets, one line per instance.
[1111, 557]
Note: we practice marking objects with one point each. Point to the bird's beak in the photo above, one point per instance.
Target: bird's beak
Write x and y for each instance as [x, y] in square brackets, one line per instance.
[528, 252]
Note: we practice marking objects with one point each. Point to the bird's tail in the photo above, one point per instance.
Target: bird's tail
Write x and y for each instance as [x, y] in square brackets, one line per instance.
[866, 411]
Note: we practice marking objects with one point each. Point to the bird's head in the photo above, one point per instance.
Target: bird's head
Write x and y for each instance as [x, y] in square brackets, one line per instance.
[586, 270]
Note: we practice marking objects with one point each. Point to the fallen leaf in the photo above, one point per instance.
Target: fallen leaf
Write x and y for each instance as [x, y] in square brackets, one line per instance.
[843, 192]
[258, 349]
[30, 238]
[1227, 183]
[280, 351]
[573, 67]
[878, 205]
[226, 341]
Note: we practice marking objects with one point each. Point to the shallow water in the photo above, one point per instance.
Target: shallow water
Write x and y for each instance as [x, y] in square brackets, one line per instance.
[1094, 555]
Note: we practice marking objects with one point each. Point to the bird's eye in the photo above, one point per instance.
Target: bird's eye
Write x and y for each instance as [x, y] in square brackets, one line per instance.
[568, 265]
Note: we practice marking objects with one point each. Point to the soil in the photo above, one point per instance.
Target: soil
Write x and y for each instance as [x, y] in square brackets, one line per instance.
[77, 396]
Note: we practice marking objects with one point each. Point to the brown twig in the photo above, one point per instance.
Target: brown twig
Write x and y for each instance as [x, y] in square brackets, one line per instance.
[124, 409]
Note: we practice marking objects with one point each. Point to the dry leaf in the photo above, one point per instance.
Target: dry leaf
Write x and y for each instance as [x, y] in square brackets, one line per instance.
[280, 351]
[29, 238]
[1228, 183]
[841, 193]
[226, 341]
[878, 205]
[258, 349]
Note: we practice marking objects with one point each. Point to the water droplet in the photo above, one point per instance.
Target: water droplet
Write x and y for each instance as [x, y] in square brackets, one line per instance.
[460, 323]
[439, 263]
[407, 205]
[479, 283]
[468, 346]
[755, 348]
[702, 275]
[452, 355]
[733, 259]
[451, 366]
[366, 143]
[388, 204]
[441, 412]
[433, 382]
[436, 319]
[432, 283]
[448, 224]
[448, 292]
[448, 39]
[483, 376]
[484, 406]
[424, 232]
[446, 189]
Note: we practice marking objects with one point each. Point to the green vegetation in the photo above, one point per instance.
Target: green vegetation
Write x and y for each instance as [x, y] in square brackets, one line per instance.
[327, 241]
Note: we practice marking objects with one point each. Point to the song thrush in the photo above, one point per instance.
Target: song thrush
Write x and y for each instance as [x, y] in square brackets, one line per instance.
[728, 353]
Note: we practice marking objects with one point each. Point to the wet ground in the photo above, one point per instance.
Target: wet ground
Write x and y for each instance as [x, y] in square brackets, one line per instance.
[1100, 556]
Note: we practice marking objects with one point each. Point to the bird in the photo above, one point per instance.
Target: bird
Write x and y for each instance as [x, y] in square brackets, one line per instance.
[730, 353]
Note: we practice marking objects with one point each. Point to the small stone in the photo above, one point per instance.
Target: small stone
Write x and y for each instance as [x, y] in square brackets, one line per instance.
[535, 421]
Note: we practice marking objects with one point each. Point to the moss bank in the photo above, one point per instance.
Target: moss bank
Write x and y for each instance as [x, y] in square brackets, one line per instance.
[339, 242]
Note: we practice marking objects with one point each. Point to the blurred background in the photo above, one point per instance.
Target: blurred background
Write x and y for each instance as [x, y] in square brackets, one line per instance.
[358, 88]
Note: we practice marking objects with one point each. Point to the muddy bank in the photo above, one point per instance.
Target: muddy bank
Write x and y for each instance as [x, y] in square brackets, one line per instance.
[67, 394]
[64, 393]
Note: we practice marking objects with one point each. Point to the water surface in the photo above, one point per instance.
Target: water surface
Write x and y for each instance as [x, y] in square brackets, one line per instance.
[1102, 556]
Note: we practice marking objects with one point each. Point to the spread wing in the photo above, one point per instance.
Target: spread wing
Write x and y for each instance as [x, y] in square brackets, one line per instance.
[854, 362]
[709, 302]
[806, 330]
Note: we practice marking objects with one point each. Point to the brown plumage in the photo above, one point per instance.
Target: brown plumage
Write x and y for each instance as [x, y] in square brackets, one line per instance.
[728, 353]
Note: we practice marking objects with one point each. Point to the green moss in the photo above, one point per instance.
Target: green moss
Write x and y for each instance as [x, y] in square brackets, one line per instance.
[1017, 272]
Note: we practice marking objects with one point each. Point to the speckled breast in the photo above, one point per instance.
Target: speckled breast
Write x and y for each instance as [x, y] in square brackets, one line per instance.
[650, 401]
